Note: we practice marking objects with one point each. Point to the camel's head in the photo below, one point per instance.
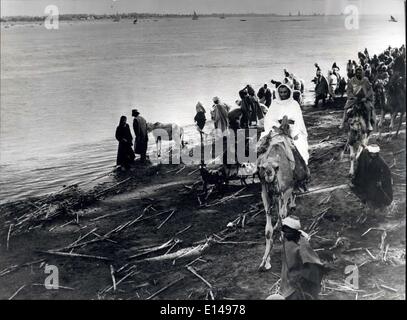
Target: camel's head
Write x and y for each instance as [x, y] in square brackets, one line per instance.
[152, 126]
[357, 123]
[268, 169]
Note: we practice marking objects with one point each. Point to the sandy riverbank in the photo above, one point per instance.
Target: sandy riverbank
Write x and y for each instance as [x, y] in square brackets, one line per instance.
[137, 204]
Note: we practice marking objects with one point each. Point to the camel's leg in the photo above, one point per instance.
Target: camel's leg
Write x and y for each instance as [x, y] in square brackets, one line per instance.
[352, 160]
[291, 202]
[265, 263]
[283, 208]
[392, 119]
[400, 123]
[380, 124]
[374, 119]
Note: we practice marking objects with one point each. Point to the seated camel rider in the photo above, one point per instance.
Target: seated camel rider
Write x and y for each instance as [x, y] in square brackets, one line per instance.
[285, 105]
[372, 180]
[301, 270]
[359, 91]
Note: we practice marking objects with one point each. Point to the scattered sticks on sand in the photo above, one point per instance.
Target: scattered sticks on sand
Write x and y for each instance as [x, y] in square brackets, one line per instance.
[165, 288]
[16, 293]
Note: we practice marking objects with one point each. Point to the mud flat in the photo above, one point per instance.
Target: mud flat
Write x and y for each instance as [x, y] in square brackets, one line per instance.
[145, 235]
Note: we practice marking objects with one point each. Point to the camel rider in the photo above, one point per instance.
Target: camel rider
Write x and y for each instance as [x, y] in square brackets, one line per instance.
[360, 91]
[285, 105]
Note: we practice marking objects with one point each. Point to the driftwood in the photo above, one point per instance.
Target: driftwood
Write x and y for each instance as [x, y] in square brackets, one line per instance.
[166, 219]
[74, 255]
[323, 189]
[388, 288]
[317, 219]
[183, 230]
[182, 253]
[165, 288]
[113, 278]
[112, 187]
[131, 273]
[8, 236]
[59, 287]
[21, 288]
[15, 267]
[193, 271]
[225, 199]
[146, 251]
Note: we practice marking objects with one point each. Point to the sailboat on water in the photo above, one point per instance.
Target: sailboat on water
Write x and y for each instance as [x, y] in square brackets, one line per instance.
[392, 19]
[195, 16]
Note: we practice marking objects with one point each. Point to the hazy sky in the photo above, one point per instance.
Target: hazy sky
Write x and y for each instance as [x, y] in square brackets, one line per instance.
[36, 7]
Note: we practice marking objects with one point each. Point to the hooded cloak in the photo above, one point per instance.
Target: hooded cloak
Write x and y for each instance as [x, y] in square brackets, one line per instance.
[290, 108]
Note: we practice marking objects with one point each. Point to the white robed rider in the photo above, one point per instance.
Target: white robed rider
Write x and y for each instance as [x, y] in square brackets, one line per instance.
[285, 105]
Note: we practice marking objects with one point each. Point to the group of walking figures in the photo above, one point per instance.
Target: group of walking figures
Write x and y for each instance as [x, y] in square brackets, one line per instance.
[282, 148]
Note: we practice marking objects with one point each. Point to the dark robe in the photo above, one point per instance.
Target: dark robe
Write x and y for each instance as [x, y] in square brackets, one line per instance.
[246, 108]
[141, 140]
[257, 112]
[321, 87]
[200, 119]
[301, 272]
[234, 119]
[372, 180]
[267, 96]
[125, 154]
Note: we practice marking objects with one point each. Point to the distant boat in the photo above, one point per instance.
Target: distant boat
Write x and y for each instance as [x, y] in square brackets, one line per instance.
[222, 16]
[243, 20]
[392, 19]
[195, 16]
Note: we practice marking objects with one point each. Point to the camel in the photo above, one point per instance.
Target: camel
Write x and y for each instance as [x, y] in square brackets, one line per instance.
[276, 165]
[167, 132]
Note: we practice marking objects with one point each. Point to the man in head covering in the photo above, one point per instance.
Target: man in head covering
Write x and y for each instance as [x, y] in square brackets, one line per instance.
[321, 87]
[264, 95]
[220, 115]
[332, 84]
[302, 270]
[360, 91]
[285, 105]
[141, 135]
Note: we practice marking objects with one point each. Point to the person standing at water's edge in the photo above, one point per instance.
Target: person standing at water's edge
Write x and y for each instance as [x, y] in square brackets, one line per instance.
[141, 135]
[200, 118]
[220, 115]
[321, 87]
[125, 154]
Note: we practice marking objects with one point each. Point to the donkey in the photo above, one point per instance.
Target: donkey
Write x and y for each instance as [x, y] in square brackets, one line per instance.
[173, 133]
[276, 170]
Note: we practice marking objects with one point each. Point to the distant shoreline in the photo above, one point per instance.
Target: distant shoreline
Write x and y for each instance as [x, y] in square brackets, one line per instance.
[92, 17]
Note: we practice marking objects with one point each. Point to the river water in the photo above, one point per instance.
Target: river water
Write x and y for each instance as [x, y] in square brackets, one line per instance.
[63, 91]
